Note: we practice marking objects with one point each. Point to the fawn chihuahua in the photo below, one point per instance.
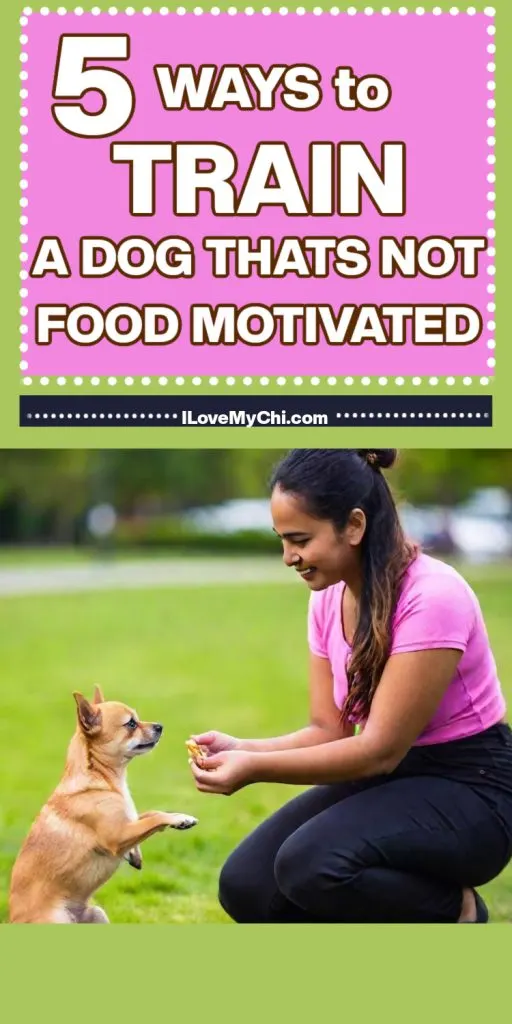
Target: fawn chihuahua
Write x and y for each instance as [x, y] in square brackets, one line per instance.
[89, 823]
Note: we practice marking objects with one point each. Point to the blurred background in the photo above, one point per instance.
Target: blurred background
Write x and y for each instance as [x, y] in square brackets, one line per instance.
[452, 501]
[156, 575]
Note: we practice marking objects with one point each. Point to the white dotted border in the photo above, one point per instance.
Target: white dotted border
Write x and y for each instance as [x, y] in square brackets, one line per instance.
[413, 415]
[248, 381]
[491, 194]
[488, 11]
[23, 148]
[163, 382]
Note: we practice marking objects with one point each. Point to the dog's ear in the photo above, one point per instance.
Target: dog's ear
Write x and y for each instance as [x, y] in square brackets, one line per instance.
[89, 717]
[98, 696]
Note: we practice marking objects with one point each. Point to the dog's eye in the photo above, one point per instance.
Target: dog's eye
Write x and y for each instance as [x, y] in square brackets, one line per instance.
[132, 724]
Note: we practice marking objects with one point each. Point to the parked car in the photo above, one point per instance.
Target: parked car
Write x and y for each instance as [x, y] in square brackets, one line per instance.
[491, 502]
[236, 516]
[482, 526]
[478, 530]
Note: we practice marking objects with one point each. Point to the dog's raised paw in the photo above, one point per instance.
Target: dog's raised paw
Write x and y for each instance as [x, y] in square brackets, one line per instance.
[183, 821]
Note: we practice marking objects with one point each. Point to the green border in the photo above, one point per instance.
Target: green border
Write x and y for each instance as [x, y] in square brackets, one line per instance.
[362, 973]
[213, 972]
[238, 437]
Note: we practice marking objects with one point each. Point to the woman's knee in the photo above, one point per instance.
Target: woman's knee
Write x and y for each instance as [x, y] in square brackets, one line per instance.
[296, 868]
[305, 872]
[242, 892]
[231, 887]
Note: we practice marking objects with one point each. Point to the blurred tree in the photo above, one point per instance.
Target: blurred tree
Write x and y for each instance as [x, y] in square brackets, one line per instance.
[43, 492]
[140, 482]
[250, 470]
[447, 476]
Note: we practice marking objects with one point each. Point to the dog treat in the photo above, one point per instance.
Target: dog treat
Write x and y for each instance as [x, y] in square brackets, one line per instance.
[195, 750]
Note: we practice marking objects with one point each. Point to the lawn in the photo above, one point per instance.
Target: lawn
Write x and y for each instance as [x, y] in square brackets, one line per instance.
[225, 657]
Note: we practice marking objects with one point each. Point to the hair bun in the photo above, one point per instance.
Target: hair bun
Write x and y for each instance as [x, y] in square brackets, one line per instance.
[381, 458]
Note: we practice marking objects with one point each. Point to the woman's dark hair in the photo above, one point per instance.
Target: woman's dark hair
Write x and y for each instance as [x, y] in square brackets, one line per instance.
[331, 483]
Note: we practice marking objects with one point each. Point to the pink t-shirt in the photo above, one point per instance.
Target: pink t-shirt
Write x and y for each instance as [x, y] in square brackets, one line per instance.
[436, 609]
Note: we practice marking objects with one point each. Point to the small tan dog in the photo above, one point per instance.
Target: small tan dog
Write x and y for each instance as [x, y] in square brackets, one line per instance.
[89, 823]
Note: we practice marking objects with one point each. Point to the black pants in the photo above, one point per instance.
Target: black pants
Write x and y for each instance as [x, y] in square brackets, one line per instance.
[394, 848]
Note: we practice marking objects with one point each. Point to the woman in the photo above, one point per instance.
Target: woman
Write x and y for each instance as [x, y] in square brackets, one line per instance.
[411, 812]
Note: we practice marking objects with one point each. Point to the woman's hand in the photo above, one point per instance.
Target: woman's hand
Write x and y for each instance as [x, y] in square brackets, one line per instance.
[225, 773]
[215, 742]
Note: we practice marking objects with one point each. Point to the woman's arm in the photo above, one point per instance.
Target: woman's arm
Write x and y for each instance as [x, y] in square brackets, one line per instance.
[324, 725]
[408, 694]
[410, 691]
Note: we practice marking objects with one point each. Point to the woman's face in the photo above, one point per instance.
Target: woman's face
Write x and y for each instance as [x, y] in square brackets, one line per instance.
[315, 548]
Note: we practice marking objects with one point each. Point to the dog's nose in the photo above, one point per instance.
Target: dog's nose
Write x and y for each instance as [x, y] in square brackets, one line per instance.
[158, 728]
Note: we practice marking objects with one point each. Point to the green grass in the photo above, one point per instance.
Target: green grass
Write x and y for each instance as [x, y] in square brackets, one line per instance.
[64, 556]
[55, 556]
[233, 658]
[19, 557]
